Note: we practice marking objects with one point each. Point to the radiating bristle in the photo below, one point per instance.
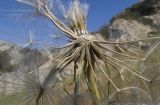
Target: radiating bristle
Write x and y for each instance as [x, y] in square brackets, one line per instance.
[76, 16]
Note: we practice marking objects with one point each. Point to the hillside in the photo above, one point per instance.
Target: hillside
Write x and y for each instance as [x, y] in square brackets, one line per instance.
[138, 21]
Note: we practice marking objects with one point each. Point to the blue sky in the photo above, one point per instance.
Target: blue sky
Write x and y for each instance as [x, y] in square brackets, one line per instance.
[15, 26]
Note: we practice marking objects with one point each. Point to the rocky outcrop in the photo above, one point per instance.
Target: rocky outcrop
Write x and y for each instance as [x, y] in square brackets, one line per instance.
[4, 46]
[139, 21]
[129, 30]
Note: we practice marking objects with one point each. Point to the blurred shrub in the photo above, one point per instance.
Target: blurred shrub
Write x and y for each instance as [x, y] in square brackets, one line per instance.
[33, 57]
[104, 31]
[5, 65]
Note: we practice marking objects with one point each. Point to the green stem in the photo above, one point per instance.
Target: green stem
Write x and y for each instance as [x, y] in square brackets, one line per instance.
[92, 86]
[76, 80]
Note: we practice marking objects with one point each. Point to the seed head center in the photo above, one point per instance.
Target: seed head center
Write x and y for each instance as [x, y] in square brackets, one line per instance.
[86, 38]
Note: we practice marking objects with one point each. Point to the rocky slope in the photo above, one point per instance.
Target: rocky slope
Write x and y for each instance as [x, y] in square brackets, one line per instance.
[136, 22]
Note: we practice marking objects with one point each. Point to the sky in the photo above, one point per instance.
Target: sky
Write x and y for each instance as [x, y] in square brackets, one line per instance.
[15, 26]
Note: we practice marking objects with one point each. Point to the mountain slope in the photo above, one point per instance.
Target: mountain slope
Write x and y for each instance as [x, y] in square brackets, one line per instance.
[138, 21]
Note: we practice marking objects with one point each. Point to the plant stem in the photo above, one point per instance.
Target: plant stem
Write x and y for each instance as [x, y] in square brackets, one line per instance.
[76, 80]
[108, 71]
[92, 86]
